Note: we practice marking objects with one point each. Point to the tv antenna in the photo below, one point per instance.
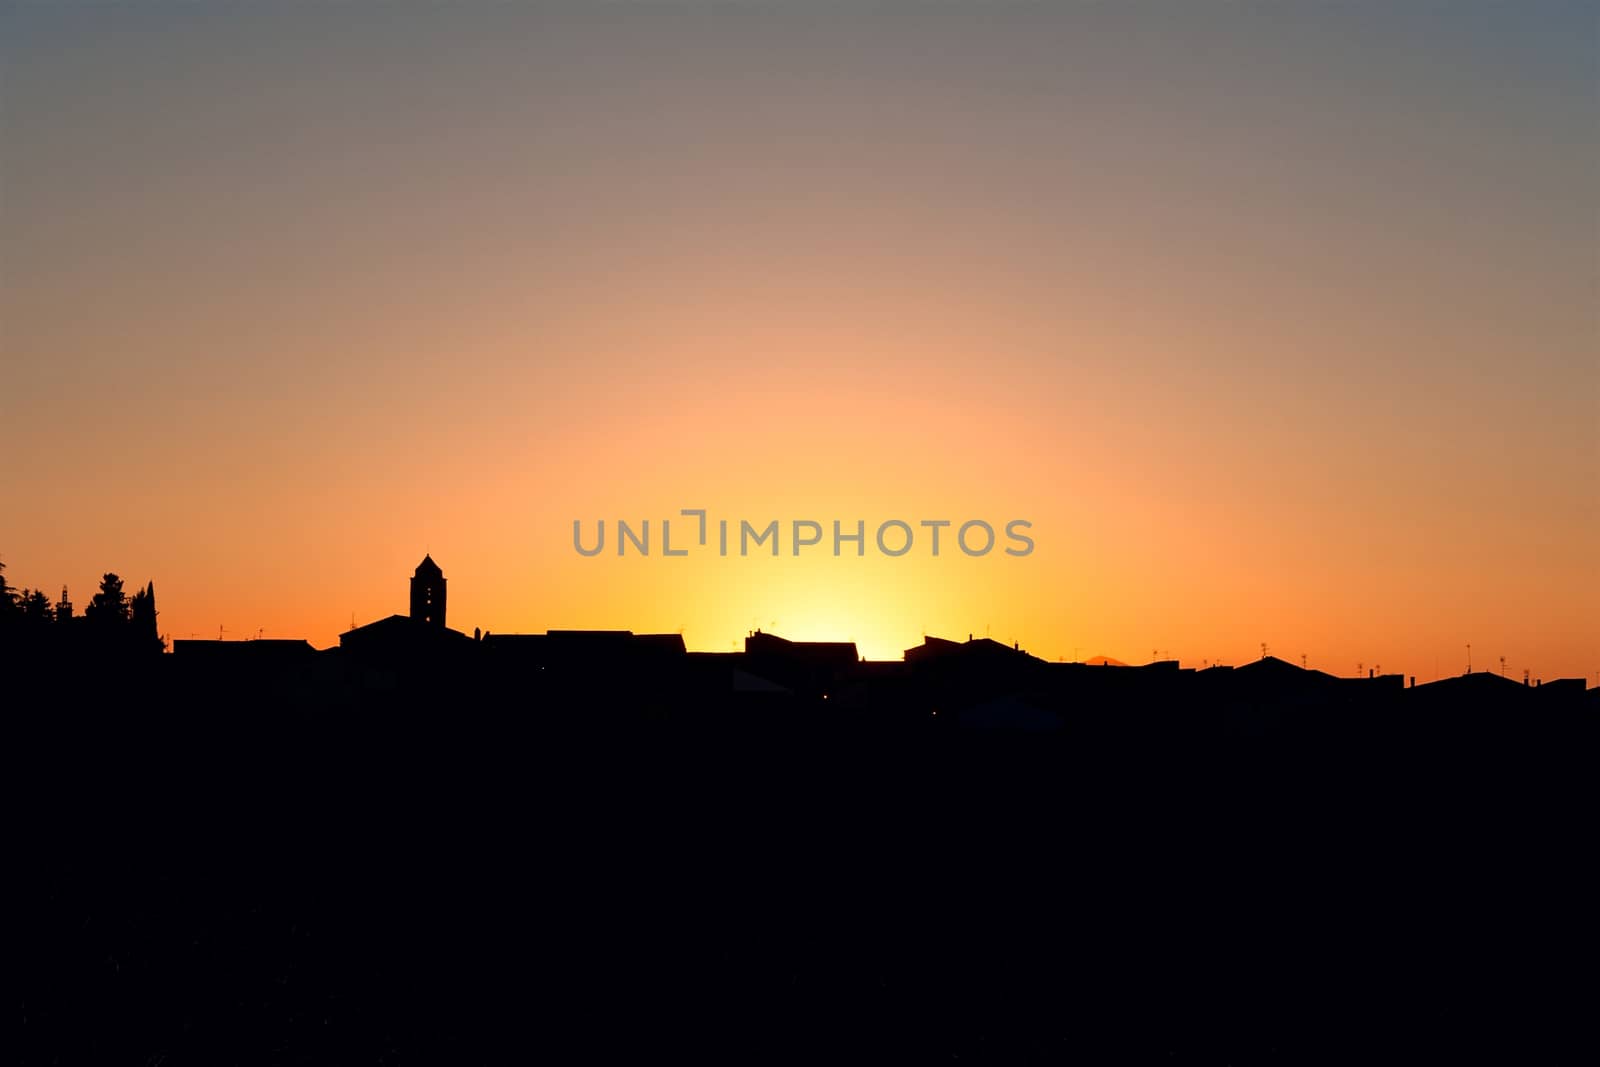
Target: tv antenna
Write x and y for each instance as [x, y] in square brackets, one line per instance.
[1303, 662]
[1263, 650]
[1502, 666]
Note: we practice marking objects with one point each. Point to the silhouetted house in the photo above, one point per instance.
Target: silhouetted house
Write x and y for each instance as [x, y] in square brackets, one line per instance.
[404, 641]
[1561, 691]
[427, 592]
[974, 663]
[811, 669]
[235, 655]
[240, 673]
[983, 650]
[583, 678]
[1482, 697]
[1270, 671]
[1482, 687]
[659, 646]
[1270, 680]
[640, 658]
[1271, 695]
[949, 676]
[1385, 684]
[931, 649]
[587, 657]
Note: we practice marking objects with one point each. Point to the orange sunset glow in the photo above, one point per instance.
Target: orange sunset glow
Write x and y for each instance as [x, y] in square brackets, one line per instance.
[1277, 323]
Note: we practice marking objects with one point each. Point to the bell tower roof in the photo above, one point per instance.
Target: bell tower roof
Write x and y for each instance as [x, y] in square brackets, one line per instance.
[428, 593]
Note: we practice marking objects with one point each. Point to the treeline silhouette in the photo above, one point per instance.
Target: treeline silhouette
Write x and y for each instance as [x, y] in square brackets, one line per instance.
[429, 846]
[112, 623]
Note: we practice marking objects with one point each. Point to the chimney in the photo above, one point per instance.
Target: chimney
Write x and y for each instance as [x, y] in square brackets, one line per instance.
[1370, 671]
[1413, 681]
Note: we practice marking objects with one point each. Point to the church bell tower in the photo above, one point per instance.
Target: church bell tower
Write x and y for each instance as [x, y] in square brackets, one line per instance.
[427, 593]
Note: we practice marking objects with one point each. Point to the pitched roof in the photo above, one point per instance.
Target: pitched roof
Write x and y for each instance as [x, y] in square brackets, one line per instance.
[428, 567]
[1273, 667]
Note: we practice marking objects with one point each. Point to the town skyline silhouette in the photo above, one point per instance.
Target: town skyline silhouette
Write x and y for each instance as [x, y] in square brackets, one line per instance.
[29, 613]
[418, 840]
[1135, 603]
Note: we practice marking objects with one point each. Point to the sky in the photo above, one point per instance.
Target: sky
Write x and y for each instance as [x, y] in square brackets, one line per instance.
[1280, 323]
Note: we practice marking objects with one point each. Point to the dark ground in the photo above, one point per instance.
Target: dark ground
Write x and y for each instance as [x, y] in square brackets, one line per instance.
[392, 886]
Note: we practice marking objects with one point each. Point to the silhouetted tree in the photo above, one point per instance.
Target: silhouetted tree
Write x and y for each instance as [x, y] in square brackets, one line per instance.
[63, 607]
[35, 607]
[8, 596]
[143, 610]
[110, 604]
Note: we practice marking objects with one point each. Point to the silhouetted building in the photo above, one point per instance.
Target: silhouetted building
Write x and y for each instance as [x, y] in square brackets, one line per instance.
[983, 650]
[240, 653]
[809, 668]
[233, 666]
[416, 641]
[399, 639]
[571, 651]
[427, 592]
[973, 664]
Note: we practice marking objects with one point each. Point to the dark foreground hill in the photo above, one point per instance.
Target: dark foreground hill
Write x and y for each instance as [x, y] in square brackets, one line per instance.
[450, 873]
